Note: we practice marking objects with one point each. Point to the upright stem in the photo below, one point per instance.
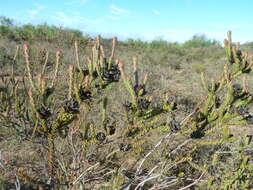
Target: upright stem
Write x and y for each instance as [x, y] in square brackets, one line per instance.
[77, 56]
[28, 66]
[51, 154]
[56, 68]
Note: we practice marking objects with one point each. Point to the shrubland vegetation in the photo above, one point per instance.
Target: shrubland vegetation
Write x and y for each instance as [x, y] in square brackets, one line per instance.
[36, 33]
[81, 113]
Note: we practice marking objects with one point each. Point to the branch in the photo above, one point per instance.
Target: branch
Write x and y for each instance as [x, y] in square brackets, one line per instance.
[194, 183]
[150, 152]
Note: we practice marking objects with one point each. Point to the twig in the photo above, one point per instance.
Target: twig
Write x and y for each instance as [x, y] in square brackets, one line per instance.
[179, 146]
[113, 152]
[164, 185]
[149, 174]
[188, 116]
[194, 183]
[82, 174]
[17, 183]
[150, 152]
[1, 160]
[148, 179]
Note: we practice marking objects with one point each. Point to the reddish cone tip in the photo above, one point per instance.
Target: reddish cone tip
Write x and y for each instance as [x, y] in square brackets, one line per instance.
[121, 65]
[58, 52]
[26, 47]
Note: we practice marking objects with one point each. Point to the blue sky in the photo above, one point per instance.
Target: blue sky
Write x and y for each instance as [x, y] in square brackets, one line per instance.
[172, 20]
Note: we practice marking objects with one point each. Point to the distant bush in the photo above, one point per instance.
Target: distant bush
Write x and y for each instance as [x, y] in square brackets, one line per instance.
[136, 43]
[200, 41]
[6, 25]
[5, 21]
[162, 44]
[154, 44]
[43, 32]
[197, 41]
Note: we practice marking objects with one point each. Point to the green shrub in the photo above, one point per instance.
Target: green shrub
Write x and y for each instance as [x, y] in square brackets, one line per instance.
[198, 68]
[42, 32]
[136, 43]
[48, 33]
[158, 44]
[200, 41]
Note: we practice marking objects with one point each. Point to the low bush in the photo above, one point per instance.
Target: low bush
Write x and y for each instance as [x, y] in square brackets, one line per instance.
[200, 41]
[199, 68]
[42, 32]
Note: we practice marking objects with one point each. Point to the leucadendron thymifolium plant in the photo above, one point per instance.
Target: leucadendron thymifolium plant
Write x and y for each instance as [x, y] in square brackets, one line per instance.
[41, 99]
[98, 72]
[13, 107]
[207, 127]
[225, 97]
[225, 105]
[142, 117]
[84, 83]
[89, 86]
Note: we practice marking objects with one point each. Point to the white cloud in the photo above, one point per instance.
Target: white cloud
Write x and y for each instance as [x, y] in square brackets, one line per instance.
[37, 9]
[39, 6]
[64, 19]
[117, 11]
[73, 20]
[112, 17]
[76, 2]
[156, 12]
[32, 13]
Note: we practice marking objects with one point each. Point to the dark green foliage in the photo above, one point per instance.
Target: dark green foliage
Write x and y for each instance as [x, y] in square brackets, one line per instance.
[125, 147]
[71, 106]
[111, 75]
[84, 94]
[100, 136]
[44, 112]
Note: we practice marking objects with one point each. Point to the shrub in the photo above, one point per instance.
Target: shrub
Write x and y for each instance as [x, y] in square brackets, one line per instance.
[42, 32]
[136, 43]
[200, 41]
[47, 33]
[199, 68]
